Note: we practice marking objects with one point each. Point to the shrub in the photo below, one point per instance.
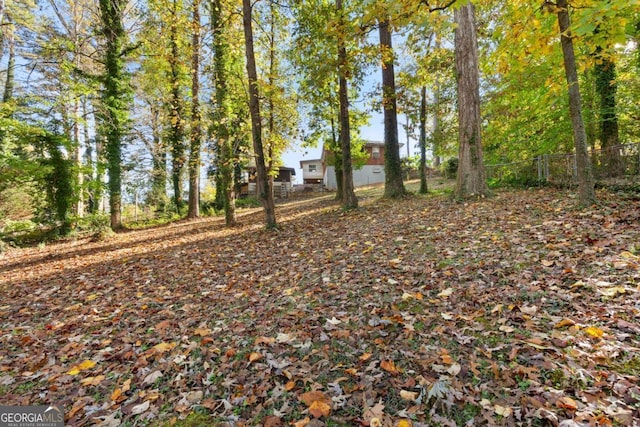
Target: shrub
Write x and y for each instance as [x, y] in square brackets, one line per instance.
[450, 168]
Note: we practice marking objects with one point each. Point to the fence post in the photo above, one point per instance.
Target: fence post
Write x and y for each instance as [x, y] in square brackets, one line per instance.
[539, 164]
[546, 167]
[575, 167]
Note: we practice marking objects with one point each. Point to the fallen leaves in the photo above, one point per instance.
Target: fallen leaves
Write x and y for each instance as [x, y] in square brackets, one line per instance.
[398, 314]
[92, 381]
[594, 332]
[566, 402]
[389, 366]
[82, 366]
[164, 347]
[318, 403]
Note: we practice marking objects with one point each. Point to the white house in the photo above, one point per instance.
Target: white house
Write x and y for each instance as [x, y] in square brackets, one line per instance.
[312, 171]
[371, 173]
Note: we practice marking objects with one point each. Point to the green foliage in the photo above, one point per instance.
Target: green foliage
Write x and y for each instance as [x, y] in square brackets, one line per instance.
[19, 226]
[449, 168]
[411, 163]
[92, 223]
[58, 181]
[248, 202]
[160, 218]
[315, 59]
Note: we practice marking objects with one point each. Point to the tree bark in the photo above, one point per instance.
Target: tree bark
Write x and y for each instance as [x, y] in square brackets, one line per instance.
[264, 189]
[335, 151]
[586, 192]
[471, 179]
[196, 120]
[393, 185]
[349, 199]
[423, 141]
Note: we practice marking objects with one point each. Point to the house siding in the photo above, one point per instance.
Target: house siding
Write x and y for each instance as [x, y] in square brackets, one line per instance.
[371, 173]
[367, 175]
[311, 177]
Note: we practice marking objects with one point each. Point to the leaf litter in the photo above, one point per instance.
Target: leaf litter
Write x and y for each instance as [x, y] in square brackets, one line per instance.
[517, 310]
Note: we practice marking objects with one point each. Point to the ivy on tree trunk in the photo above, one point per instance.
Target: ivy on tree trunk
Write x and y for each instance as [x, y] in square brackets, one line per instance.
[225, 196]
[115, 100]
[605, 75]
[176, 113]
[196, 123]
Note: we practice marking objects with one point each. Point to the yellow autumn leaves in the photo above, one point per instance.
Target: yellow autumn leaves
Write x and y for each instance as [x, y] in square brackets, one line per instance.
[82, 366]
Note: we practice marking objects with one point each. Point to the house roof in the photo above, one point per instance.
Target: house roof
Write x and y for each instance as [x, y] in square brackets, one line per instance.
[280, 168]
[369, 143]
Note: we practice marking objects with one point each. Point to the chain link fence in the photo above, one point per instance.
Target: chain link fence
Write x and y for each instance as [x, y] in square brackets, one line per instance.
[620, 162]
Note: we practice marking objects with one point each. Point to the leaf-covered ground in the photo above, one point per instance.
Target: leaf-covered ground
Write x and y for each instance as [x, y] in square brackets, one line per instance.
[516, 310]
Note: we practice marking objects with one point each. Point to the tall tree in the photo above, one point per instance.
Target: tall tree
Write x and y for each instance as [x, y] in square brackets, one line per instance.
[116, 97]
[176, 137]
[349, 199]
[265, 192]
[471, 179]
[158, 194]
[586, 192]
[393, 185]
[423, 140]
[221, 123]
[196, 117]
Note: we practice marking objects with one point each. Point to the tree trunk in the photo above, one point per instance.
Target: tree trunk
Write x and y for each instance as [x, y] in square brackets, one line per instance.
[79, 206]
[393, 185]
[98, 186]
[586, 192]
[437, 132]
[225, 194]
[349, 199]
[90, 165]
[11, 65]
[423, 141]
[335, 151]
[176, 119]
[196, 122]
[158, 196]
[115, 98]
[471, 175]
[265, 193]
[2, 13]
[605, 73]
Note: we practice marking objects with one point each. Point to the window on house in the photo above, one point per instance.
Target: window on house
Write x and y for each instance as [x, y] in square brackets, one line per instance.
[375, 152]
[312, 168]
